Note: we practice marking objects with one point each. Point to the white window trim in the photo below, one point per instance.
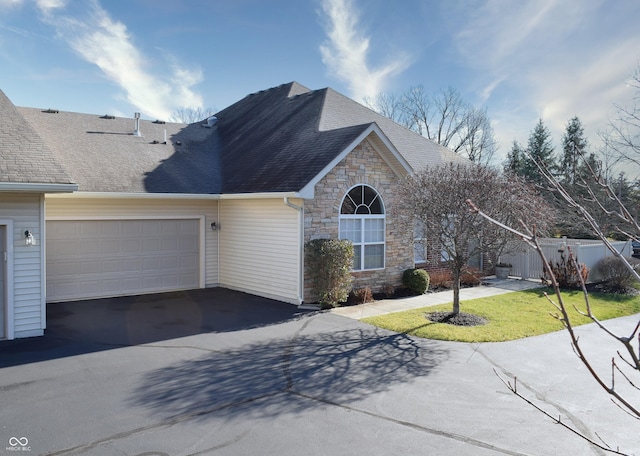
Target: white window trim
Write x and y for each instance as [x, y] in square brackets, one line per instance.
[362, 218]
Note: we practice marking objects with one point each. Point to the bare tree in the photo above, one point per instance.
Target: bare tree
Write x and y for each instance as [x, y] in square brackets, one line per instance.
[625, 363]
[623, 135]
[477, 140]
[390, 106]
[444, 118]
[435, 200]
[191, 115]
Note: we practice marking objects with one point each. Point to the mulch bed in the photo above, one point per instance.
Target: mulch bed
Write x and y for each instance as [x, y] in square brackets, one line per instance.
[460, 319]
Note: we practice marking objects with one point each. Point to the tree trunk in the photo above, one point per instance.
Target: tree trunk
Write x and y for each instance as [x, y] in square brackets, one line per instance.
[456, 292]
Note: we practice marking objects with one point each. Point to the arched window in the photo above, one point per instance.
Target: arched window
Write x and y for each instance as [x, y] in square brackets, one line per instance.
[362, 222]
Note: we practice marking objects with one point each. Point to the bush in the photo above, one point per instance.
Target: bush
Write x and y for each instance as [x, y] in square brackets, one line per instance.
[360, 295]
[441, 279]
[417, 280]
[329, 263]
[471, 277]
[615, 274]
[388, 290]
[566, 274]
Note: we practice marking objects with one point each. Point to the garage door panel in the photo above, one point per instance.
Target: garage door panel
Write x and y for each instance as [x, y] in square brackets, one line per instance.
[110, 246]
[88, 259]
[132, 245]
[132, 265]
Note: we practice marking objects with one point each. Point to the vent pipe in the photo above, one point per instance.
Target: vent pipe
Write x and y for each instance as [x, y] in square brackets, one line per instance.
[136, 131]
[211, 121]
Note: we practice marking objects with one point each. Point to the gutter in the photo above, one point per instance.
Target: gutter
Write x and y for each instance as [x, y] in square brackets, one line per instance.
[179, 196]
[40, 188]
[104, 195]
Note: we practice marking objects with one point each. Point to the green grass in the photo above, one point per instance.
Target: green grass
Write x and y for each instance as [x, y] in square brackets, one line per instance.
[510, 316]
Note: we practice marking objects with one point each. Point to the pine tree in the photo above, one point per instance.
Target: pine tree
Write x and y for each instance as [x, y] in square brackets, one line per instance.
[574, 144]
[539, 150]
[515, 160]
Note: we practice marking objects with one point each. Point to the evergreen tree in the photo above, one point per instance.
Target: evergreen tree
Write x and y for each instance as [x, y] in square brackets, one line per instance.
[539, 150]
[515, 160]
[574, 144]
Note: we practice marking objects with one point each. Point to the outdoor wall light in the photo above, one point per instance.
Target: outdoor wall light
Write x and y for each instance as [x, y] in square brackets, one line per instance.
[214, 226]
[29, 239]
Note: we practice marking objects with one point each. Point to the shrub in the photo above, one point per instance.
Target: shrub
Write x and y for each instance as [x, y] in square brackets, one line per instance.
[566, 274]
[329, 263]
[441, 279]
[417, 280]
[360, 295]
[470, 277]
[388, 290]
[615, 274]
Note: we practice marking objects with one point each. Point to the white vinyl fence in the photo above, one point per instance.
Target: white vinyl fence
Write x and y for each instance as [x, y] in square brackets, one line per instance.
[528, 265]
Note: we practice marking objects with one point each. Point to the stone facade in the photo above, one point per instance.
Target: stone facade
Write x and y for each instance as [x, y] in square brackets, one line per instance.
[362, 166]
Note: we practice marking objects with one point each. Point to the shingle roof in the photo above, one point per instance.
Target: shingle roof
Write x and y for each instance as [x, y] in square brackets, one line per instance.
[103, 155]
[418, 151]
[276, 140]
[280, 139]
[24, 156]
[270, 141]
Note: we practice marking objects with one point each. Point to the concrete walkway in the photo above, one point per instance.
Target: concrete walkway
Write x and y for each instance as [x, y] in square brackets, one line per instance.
[490, 287]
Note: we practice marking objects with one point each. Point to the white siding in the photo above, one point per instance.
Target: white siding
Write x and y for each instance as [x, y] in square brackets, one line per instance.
[76, 208]
[28, 299]
[260, 251]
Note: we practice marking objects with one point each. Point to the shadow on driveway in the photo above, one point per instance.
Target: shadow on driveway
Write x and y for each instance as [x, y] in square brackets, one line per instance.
[286, 375]
[79, 327]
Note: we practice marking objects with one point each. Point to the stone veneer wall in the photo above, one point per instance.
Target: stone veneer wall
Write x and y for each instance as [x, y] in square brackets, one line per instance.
[362, 166]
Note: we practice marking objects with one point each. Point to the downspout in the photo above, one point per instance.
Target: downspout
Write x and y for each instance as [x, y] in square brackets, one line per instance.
[300, 210]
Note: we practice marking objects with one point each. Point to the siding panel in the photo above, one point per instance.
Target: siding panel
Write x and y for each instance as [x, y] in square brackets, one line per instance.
[28, 298]
[260, 248]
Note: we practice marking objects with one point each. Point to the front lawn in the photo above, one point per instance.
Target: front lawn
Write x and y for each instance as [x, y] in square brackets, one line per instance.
[510, 316]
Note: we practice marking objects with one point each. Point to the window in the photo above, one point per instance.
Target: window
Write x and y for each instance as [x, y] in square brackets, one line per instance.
[362, 222]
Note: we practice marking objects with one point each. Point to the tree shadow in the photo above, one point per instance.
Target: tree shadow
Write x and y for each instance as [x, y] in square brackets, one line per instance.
[337, 367]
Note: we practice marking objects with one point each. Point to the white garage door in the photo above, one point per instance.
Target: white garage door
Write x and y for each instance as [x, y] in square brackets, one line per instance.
[103, 258]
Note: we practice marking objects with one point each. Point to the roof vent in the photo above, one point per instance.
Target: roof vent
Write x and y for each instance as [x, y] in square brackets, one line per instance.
[51, 111]
[107, 116]
[136, 131]
[157, 121]
[211, 121]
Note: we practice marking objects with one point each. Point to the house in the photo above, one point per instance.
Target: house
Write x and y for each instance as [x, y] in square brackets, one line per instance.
[119, 206]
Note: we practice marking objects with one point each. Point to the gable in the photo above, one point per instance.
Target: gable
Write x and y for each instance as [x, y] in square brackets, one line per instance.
[379, 145]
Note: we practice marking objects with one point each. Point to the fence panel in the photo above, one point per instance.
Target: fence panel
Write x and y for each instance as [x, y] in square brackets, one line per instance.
[527, 263]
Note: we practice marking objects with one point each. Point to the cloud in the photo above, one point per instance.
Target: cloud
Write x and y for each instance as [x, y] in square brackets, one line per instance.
[43, 5]
[49, 5]
[105, 42]
[552, 59]
[4, 4]
[346, 51]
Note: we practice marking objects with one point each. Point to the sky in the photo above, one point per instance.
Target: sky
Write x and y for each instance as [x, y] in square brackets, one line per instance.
[521, 60]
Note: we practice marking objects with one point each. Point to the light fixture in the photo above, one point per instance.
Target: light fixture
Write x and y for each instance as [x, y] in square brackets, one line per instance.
[29, 239]
[214, 226]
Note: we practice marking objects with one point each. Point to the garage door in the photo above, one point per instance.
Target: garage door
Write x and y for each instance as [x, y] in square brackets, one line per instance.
[103, 258]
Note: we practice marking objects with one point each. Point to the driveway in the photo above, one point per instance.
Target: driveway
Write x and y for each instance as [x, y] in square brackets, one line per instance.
[219, 372]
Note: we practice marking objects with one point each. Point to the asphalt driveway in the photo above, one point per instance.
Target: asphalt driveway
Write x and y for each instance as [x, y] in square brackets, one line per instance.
[102, 324]
[264, 378]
